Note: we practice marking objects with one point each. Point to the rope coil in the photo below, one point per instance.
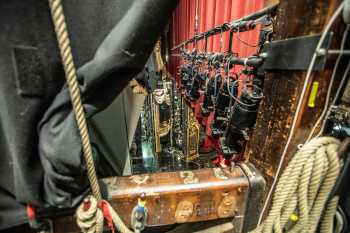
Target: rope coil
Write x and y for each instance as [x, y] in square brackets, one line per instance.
[303, 189]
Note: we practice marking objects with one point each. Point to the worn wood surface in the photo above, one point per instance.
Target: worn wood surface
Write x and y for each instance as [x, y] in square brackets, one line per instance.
[177, 197]
[270, 2]
[283, 88]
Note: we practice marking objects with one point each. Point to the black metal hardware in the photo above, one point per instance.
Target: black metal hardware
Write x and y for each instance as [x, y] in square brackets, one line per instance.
[245, 23]
[253, 61]
[294, 53]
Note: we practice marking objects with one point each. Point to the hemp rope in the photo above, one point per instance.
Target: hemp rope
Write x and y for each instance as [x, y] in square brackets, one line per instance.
[303, 190]
[90, 220]
[327, 225]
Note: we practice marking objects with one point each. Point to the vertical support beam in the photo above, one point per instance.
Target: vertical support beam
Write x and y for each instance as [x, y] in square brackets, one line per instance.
[283, 88]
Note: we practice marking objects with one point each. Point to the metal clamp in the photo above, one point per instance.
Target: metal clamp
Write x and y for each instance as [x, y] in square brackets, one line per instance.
[295, 53]
[139, 215]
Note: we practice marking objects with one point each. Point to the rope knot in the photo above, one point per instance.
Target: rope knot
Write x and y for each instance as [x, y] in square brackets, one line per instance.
[302, 191]
[90, 216]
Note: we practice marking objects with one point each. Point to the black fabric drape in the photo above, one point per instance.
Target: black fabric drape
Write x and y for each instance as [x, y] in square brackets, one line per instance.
[121, 56]
[56, 175]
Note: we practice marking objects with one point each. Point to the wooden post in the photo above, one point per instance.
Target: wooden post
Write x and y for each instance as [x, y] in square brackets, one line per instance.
[283, 88]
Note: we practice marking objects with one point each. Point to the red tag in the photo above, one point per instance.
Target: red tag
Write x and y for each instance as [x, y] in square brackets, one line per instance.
[103, 205]
[31, 212]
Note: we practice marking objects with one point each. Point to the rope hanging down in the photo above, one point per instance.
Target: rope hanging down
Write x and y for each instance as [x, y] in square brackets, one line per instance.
[92, 212]
[303, 190]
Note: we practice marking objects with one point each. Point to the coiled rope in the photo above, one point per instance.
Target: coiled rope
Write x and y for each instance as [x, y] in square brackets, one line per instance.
[91, 213]
[303, 190]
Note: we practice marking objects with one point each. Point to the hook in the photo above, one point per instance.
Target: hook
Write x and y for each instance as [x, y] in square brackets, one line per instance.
[245, 63]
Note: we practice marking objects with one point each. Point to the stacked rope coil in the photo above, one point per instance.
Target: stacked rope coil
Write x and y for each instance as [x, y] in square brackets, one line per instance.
[303, 190]
[91, 213]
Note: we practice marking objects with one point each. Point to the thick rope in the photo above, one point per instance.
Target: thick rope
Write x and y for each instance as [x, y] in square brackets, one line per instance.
[90, 219]
[91, 213]
[303, 189]
[327, 224]
[74, 91]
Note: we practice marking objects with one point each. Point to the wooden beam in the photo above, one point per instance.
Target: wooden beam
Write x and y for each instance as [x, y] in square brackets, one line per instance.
[283, 88]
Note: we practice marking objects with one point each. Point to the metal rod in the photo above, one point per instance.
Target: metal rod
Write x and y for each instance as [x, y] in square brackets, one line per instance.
[196, 19]
[230, 42]
[228, 26]
[323, 52]
[248, 61]
[344, 52]
[205, 44]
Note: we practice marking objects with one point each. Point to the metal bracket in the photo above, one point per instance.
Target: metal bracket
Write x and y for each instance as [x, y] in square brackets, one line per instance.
[294, 53]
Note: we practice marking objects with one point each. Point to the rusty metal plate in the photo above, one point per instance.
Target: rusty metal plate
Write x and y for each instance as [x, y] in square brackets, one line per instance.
[177, 197]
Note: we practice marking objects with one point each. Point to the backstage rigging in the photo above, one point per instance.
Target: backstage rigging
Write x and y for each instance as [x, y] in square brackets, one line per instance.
[235, 121]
